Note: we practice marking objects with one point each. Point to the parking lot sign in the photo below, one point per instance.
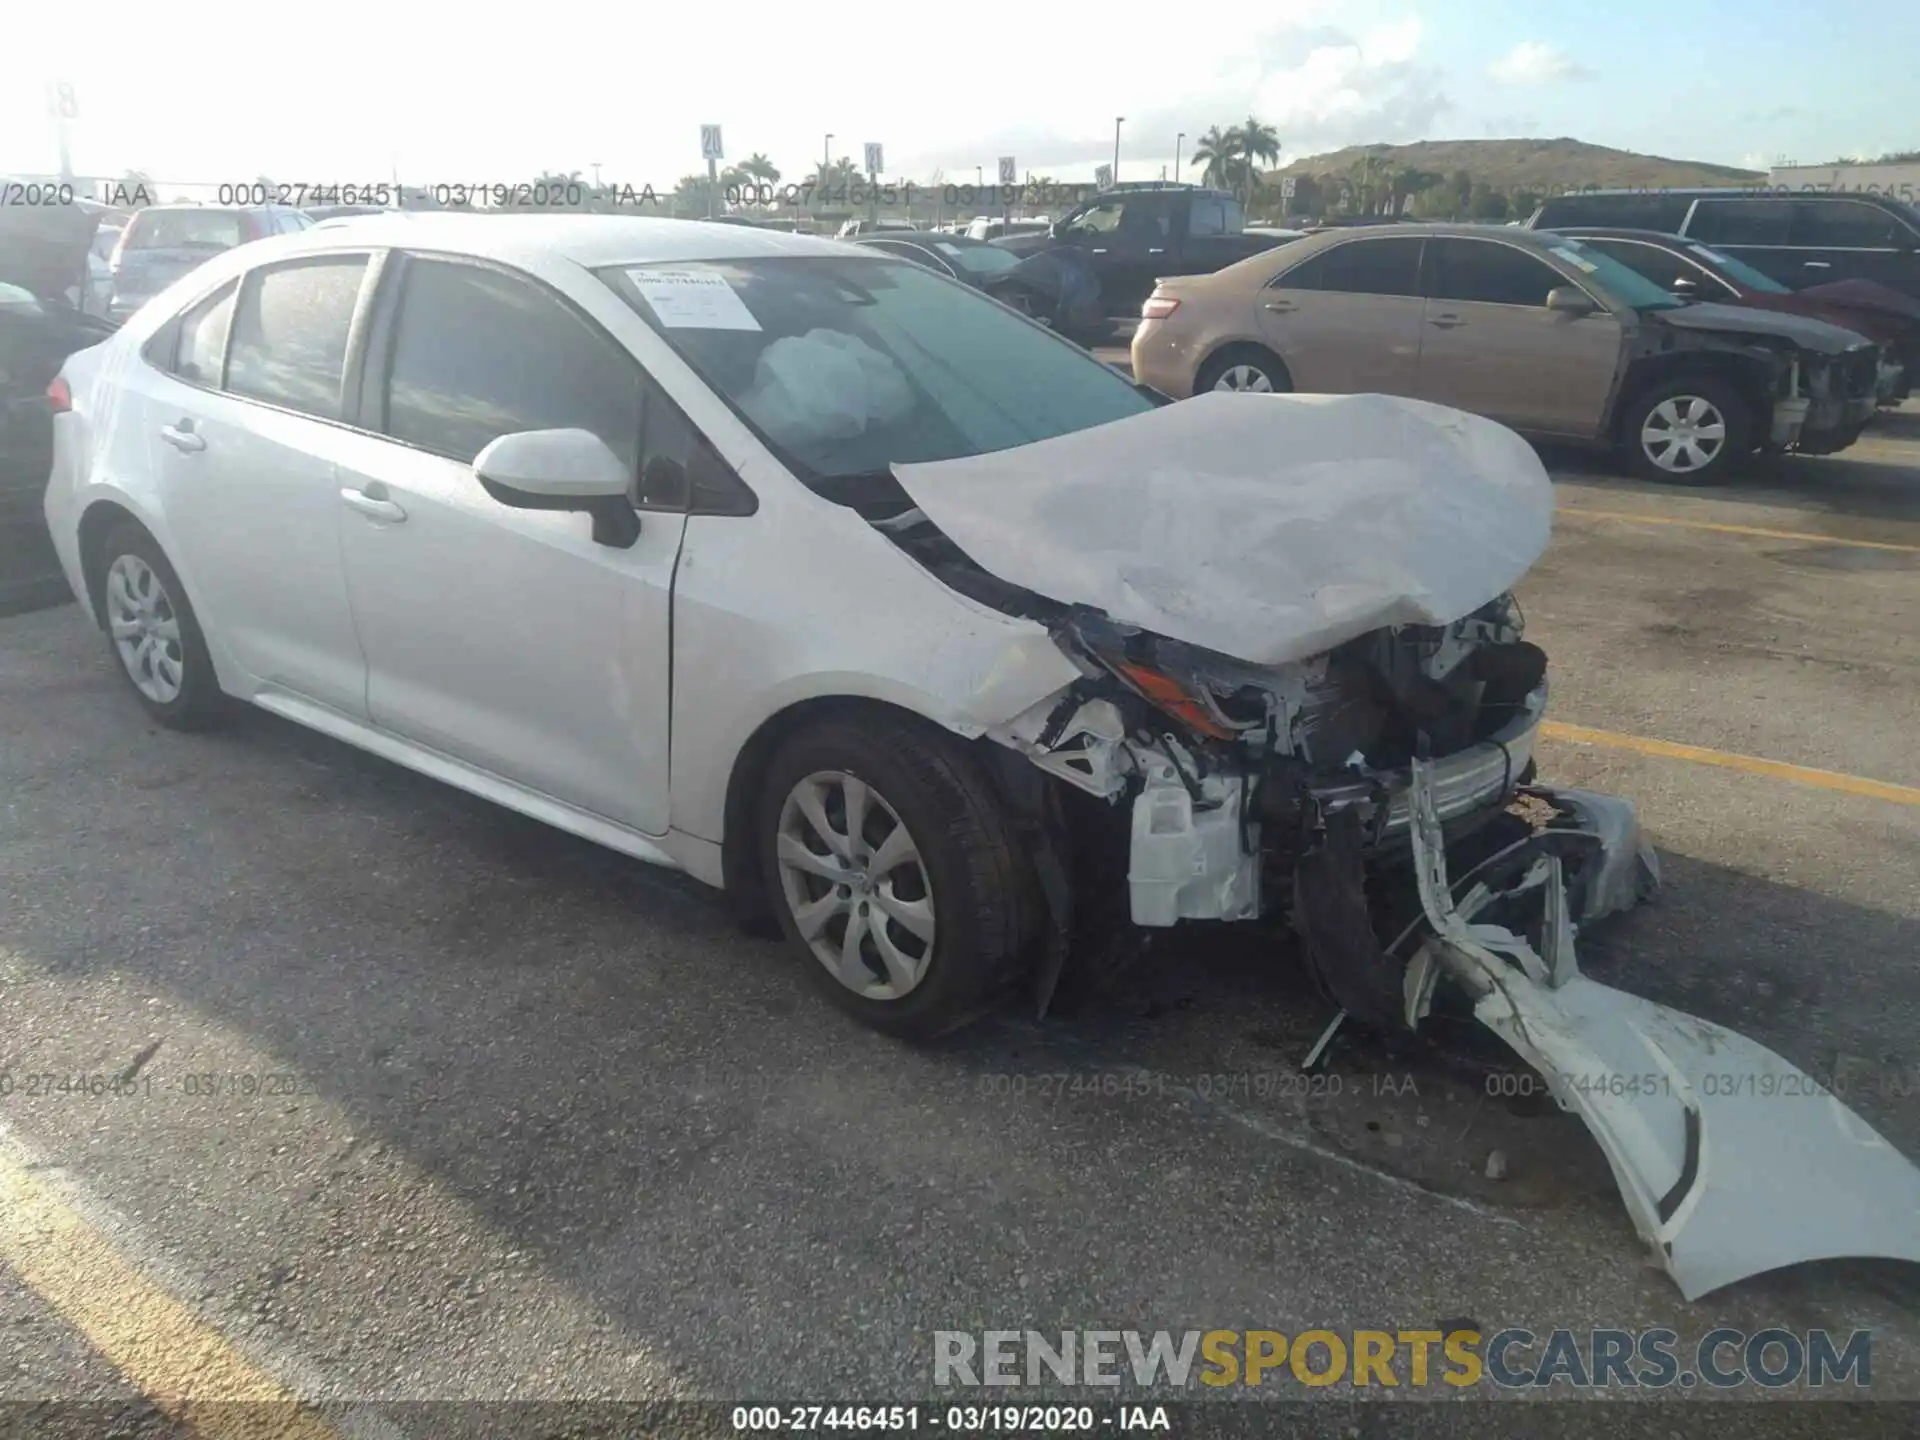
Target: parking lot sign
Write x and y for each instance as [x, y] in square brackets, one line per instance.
[1103, 176]
[61, 103]
[1286, 187]
[710, 143]
[875, 163]
[1007, 172]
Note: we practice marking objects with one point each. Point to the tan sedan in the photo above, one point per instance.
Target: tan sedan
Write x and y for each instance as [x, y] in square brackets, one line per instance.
[1537, 331]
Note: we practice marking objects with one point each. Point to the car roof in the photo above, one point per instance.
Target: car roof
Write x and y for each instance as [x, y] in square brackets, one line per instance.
[591, 241]
[1618, 232]
[1727, 192]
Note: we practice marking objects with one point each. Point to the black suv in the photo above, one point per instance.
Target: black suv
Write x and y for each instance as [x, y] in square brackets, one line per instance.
[1800, 238]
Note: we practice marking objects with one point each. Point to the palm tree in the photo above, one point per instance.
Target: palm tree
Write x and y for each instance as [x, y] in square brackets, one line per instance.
[1217, 153]
[1255, 143]
[761, 168]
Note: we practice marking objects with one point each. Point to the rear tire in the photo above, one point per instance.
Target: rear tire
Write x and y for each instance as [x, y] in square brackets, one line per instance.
[156, 639]
[942, 918]
[1690, 430]
[1256, 371]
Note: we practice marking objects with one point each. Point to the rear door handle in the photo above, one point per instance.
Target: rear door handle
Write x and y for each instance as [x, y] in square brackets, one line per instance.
[1156, 249]
[1281, 306]
[374, 507]
[182, 438]
[1446, 322]
[1817, 264]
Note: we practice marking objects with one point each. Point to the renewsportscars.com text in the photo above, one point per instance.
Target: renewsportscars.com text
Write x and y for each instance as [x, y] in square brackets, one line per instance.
[1511, 1358]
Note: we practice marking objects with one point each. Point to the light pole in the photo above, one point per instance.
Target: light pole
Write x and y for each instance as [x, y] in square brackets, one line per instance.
[826, 151]
[1176, 155]
[1116, 147]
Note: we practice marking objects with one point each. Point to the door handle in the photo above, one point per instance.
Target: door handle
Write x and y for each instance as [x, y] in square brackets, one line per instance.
[1817, 264]
[1099, 249]
[182, 438]
[1283, 307]
[1446, 322]
[1156, 249]
[373, 507]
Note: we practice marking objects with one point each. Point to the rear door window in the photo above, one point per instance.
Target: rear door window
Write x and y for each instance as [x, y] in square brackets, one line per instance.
[1486, 272]
[1741, 222]
[1208, 217]
[1388, 266]
[478, 354]
[289, 343]
[1845, 225]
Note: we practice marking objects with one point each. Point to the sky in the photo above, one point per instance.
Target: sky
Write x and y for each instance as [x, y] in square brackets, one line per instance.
[208, 91]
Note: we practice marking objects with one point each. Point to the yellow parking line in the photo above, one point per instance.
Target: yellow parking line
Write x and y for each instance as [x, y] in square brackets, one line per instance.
[1725, 529]
[1751, 764]
[182, 1365]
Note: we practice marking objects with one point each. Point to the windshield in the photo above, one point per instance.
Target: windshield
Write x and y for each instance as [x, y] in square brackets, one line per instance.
[848, 366]
[979, 259]
[184, 230]
[1740, 272]
[1624, 285]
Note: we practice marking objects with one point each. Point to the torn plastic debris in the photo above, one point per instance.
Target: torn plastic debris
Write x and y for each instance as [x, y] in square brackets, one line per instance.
[1731, 1161]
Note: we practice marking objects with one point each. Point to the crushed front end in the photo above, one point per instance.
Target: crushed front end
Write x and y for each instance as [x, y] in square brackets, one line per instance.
[1285, 793]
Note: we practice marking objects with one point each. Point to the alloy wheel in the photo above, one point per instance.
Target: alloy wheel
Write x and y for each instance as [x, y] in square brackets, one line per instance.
[1683, 434]
[1244, 377]
[855, 883]
[145, 629]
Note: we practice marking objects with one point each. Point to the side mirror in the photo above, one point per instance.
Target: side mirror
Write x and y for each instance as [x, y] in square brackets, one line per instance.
[1569, 300]
[562, 470]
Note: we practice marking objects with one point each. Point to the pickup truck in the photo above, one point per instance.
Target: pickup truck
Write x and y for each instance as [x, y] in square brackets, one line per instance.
[1134, 235]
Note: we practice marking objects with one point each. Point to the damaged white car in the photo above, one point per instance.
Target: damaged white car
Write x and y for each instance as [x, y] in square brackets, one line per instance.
[837, 583]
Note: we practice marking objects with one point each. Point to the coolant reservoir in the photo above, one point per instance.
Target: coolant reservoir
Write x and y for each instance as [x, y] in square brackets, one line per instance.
[1186, 862]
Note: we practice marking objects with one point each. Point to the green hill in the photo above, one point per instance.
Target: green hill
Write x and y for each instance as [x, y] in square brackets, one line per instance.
[1537, 165]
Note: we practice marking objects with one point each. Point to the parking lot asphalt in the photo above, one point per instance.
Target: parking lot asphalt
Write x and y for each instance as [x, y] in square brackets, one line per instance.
[431, 1102]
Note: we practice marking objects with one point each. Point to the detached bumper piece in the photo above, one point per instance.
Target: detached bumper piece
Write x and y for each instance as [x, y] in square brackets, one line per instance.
[1731, 1161]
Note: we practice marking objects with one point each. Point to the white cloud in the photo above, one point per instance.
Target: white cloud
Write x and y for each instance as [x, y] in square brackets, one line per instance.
[1533, 63]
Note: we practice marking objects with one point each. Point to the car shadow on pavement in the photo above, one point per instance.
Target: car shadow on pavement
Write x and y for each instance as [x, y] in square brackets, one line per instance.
[590, 1055]
[1845, 486]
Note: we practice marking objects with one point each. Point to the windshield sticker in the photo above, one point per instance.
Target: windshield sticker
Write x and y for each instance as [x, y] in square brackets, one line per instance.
[692, 299]
[1579, 262]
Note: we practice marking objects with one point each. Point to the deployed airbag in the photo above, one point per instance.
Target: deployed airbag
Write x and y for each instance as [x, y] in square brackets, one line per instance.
[1266, 527]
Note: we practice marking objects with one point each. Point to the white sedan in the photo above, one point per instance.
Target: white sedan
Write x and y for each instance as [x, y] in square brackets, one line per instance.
[834, 582]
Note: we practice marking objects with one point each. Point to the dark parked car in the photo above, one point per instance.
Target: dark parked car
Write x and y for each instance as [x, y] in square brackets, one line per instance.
[1135, 235]
[43, 260]
[163, 242]
[1800, 238]
[1056, 287]
[1699, 272]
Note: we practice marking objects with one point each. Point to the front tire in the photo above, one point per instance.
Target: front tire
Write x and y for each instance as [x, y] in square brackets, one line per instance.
[894, 869]
[155, 637]
[1691, 430]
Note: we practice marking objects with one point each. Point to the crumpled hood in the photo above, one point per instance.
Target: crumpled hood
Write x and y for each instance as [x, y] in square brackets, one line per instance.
[43, 248]
[1265, 527]
[1815, 335]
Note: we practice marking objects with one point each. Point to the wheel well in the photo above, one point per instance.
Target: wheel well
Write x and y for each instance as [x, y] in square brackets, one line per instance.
[95, 525]
[1748, 379]
[1243, 349]
[739, 864]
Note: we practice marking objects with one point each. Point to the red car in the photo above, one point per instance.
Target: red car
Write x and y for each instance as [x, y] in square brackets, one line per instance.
[1694, 271]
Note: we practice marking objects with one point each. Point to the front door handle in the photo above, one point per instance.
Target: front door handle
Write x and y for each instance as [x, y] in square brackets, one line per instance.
[1283, 307]
[374, 507]
[182, 437]
[1817, 264]
[1446, 322]
[1156, 249]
